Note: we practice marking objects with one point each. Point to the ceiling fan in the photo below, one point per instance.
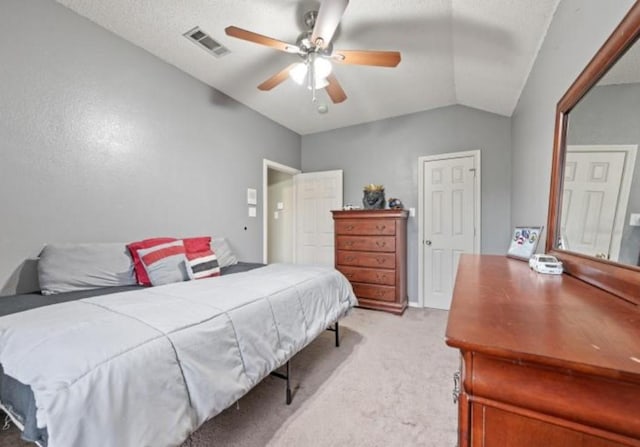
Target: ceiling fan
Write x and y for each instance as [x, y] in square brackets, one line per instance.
[315, 48]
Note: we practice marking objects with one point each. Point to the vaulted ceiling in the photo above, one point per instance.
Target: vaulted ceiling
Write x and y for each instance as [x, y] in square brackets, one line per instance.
[476, 53]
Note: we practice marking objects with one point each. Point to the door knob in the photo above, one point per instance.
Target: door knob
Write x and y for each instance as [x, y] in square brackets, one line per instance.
[427, 242]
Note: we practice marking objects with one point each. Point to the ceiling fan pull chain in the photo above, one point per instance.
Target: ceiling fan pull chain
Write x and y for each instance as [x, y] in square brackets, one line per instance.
[312, 75]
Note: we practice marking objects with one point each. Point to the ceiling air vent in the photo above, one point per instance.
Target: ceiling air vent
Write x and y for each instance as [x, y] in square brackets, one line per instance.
[205, 41]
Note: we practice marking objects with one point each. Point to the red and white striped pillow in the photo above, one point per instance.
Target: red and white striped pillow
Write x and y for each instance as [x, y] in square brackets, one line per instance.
[135, 247]
[201, 257]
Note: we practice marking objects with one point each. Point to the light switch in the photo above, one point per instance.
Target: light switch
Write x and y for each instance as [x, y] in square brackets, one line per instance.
[634, 221]
[252, 196]
[280, 205]
[412, 212]
[252, 211]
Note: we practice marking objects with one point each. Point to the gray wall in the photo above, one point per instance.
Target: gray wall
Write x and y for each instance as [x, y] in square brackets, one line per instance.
[609, 115]
[101, 141]
[577, 31]
[387, 152]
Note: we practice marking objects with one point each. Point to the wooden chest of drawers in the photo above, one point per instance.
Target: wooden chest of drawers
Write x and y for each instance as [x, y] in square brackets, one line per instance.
[371, 251]
[547, 361]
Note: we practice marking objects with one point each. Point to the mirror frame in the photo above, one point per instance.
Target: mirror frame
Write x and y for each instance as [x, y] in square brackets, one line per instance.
[620, 279]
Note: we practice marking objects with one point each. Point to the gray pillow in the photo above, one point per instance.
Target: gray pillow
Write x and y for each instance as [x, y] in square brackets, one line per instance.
[71, 267]
[223, 252]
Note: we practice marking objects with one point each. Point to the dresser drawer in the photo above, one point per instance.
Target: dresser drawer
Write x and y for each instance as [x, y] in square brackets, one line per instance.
[366, 243]
[373, 276]
[362, 259]
[381, 293]
[368, 227]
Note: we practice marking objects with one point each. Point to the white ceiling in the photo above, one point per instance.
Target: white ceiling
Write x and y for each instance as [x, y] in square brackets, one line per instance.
[472, 52]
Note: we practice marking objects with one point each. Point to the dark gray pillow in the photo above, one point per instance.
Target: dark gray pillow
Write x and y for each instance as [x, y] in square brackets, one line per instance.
[223, 252]
[71, 267]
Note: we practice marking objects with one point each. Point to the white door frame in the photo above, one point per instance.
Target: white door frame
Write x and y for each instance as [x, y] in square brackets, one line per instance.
[630, 151]
[477, 212]
[266, 165]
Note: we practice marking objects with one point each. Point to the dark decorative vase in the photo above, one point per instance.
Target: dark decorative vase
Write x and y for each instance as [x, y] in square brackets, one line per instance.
[373, 197]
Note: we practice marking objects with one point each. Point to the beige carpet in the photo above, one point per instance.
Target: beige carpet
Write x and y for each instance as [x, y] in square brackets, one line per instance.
[389, 384]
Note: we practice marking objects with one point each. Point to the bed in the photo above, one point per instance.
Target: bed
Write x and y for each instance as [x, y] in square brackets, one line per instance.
[148, 366]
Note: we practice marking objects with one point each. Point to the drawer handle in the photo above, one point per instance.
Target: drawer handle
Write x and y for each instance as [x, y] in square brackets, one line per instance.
[456, 386]
[381, 260]
[380, 227]
[381, 244]
[350, 258]
[349, 243]
[379, 293]
[380, 277]
[350, 227]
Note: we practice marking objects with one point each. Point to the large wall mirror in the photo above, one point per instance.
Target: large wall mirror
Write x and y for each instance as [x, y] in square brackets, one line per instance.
[594, 206]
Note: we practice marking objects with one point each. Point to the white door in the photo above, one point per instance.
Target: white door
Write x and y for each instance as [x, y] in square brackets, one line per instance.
[449, 222]
[592, 187]
[317, 194]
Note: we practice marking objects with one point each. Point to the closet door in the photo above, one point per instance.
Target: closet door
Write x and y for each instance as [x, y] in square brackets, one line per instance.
[317, 194]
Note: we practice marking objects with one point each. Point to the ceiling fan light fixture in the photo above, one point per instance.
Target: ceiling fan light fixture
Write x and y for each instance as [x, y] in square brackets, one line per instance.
[320, 84]
[322, 67]
[300, 73]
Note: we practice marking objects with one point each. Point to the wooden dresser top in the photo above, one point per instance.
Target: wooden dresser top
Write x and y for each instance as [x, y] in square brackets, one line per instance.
[501, 307]
[384, 213]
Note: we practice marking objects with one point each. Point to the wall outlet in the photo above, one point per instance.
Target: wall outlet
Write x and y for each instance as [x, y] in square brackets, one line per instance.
[252, 211]
[276, 215]
[634, 221]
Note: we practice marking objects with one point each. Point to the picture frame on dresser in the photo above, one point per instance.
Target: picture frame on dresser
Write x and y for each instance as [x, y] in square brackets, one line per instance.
[524, 242]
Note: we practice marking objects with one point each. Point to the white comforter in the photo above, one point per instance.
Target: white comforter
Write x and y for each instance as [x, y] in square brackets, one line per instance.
[148, 367]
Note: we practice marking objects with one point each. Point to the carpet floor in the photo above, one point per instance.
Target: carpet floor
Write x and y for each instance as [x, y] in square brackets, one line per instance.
[389, 384]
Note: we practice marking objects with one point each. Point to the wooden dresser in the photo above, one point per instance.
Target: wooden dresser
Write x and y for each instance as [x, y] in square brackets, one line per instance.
[371, 251]
[545, 360]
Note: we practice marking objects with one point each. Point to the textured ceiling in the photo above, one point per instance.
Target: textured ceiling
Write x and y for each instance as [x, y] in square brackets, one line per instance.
[470, 52]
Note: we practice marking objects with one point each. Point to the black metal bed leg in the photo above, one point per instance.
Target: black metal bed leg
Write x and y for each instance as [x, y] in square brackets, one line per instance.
[289, 398]
[287, 377]
[336, 329]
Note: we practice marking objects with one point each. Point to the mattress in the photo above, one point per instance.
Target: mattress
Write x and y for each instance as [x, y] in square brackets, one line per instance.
[149, 366]
[17, 398]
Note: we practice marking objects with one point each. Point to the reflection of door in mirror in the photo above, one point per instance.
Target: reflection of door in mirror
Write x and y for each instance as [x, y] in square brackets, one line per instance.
[595, 199]
[601, 108]
[596, 212]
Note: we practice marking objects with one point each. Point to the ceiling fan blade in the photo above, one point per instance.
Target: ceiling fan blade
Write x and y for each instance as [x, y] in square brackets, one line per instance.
[334, 90]
[243, 34]
[377, 58]
[276, 79]
[327, 21]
